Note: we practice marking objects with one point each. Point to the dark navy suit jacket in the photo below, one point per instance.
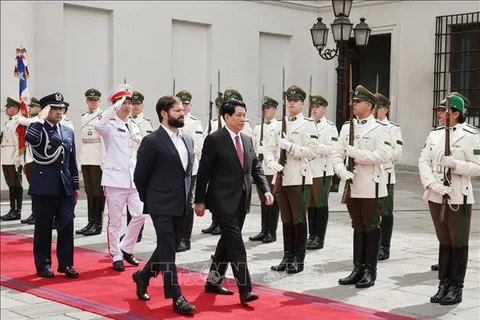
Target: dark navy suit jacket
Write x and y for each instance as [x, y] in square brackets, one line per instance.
[60, 177]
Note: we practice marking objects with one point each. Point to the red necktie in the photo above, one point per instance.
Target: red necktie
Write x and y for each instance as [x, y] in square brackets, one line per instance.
[238, 146]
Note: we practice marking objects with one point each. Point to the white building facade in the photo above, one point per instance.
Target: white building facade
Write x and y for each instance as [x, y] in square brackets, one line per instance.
[75, 45]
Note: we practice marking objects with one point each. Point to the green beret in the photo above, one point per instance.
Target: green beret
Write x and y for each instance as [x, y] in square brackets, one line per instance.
[12, 103]
[465, 99]
[137, 97]
[34, 102]
[295, 92]
[382, 100]
[232, 94]
[455, 102]
[361, 93]
[319, 100]
[268, 101]
[185, 96]
[93, 94]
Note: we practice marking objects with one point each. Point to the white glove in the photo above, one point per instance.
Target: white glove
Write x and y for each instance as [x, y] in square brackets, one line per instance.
[18, 163]
[118, 104]
[44, 113]
[353, 152]
[344, 174]
[273, 165]
[285, 144]
[449, 162]
[440, 188]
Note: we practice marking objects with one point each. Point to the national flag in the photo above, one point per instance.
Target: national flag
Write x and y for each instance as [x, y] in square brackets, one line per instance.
[21, 70]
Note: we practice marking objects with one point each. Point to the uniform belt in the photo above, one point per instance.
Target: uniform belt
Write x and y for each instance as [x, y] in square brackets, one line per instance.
[94, 140]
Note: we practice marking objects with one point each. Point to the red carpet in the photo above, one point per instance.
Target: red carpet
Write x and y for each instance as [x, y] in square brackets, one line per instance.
[102, 290]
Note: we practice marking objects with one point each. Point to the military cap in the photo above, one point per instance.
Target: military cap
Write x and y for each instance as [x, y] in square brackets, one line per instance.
[268, 101]
[218, 102]
[54, 100]
[295, 92]
[137, 97]
[185, 96]
[34, 102]
[232, 94]
[12, 103]
[319, 100]
[465, 99]
[382, 100]
[361, 93]
[123, 90]
[93, 94]
[455, 102]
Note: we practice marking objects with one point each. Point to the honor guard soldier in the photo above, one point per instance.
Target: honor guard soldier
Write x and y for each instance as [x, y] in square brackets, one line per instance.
[300, 142]
[54, 186]
[33, 109]
[91, 159]
[370, 150]
[467, 103]
[193, 128]
[146, 127]
[11, 160]
[322, 172]
[247, 130]
[122, 138]
[396, 141]
[269, 214]
[453, 192]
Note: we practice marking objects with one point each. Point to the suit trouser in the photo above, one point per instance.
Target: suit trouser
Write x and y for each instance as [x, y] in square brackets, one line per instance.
[454, 231]
[168, 230]
[188, 218]
[319, 192]
[293, 203]
[92, 178]
[365, 213]
[117, 198]
[13, 178]
[46, 208]
[230, 248]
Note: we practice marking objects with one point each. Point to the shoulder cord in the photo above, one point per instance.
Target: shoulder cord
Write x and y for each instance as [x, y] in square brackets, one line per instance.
[46, 159]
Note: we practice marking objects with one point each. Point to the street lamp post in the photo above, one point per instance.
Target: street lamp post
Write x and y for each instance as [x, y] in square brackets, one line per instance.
[341, 29]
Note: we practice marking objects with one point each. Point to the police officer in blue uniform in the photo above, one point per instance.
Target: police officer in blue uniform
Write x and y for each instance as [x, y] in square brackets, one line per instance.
[54, 186]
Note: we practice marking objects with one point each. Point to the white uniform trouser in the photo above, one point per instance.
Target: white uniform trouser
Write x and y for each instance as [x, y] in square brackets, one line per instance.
[117, 198]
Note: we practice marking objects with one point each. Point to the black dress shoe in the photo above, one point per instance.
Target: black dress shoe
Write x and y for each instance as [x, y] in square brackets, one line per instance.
[30, 218]
[118, 266]
[130, 258]
[182, 306]
[32, 221]
[217, 231]
[12, 215]
[434, 267]
[69, 272]
[210, 228]
[270, 237]
[96, 229]
[258, 237]
[248, 297]
[218, 289]
[142, 286]
[45, 273]
[84, 229]
[183, 246]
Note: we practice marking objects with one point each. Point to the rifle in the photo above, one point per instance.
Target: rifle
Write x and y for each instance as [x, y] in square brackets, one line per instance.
[260, 156]
[347, 192]
[277, 188]
[210, 111]
[310, 99]
[447, 173]
[173, 86]
[219, 94]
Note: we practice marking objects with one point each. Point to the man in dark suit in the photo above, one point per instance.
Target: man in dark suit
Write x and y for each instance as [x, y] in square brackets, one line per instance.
[227, 165]
[163, 176]
[54, 186]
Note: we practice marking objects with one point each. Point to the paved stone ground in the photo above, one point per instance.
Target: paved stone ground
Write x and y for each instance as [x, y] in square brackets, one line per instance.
[404, 285]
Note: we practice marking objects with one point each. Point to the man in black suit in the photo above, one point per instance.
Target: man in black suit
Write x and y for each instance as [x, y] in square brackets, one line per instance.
[163, 176]
[54, 186]
[227, 164]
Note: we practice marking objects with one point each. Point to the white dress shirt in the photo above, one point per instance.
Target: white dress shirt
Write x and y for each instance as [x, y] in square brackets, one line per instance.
[179, 145]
